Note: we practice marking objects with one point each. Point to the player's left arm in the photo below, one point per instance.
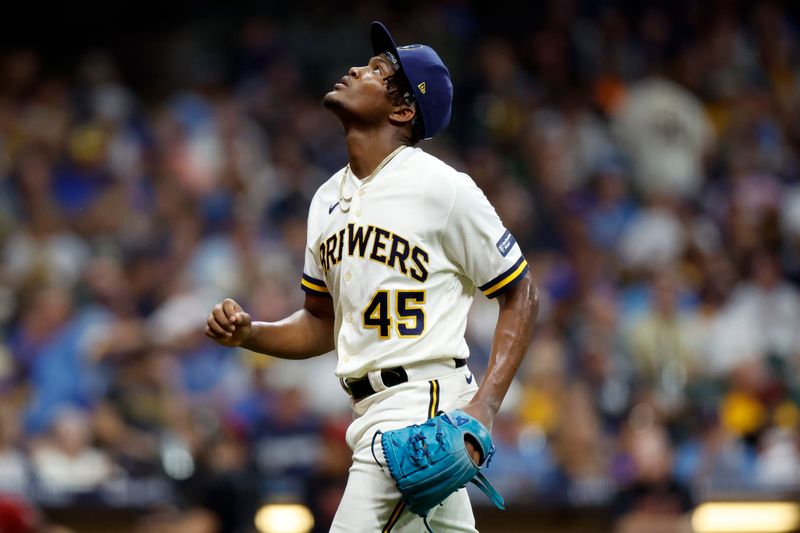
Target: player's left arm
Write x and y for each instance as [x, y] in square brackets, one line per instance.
[519, 306]
[478, 243]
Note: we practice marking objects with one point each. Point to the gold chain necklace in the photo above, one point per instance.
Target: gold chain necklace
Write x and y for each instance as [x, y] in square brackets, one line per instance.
[343, 198]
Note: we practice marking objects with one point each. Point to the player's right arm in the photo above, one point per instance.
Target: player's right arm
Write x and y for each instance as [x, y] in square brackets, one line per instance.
[303, 334]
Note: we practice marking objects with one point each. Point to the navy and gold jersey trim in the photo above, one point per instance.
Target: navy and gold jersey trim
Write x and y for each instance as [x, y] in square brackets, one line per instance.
[314, 286]
[506, 280]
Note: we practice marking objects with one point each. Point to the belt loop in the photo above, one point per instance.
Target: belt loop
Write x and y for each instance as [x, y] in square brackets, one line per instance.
[376, 380]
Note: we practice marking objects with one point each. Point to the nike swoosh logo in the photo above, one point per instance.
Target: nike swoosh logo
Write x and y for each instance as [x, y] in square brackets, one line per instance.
[331, 208]
[469, 379]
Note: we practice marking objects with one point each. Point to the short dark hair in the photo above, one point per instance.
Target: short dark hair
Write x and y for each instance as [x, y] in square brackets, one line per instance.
[400, 92]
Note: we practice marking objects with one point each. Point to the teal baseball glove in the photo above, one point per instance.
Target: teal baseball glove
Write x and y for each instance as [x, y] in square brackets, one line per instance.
[430, 461]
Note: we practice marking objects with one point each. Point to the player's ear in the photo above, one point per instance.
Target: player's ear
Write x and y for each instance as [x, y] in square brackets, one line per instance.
[402, 114]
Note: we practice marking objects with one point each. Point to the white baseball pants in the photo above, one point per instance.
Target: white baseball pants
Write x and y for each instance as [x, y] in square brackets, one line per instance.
[371, 503]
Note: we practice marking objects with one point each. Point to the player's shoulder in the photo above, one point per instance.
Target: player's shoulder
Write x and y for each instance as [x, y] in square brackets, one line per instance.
[438, 174]
[432, 165]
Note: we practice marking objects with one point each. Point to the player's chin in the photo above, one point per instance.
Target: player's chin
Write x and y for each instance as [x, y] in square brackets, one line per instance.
[331, 100]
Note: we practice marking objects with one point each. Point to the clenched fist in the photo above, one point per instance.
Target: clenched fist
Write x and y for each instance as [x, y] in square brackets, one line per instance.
[228, 324]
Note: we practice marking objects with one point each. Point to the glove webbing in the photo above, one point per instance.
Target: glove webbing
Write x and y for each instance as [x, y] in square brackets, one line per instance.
[482, 483]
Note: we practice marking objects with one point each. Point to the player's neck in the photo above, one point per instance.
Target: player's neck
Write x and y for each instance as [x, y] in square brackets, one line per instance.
[368, 149]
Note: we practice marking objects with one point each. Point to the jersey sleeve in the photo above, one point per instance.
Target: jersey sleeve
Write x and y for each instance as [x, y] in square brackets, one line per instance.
[478, 243]
[313, 280]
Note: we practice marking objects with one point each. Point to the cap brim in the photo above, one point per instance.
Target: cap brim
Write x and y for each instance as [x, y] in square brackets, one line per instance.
[382, 41]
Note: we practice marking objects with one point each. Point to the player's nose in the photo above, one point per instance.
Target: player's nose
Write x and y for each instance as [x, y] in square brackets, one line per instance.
[358, 72]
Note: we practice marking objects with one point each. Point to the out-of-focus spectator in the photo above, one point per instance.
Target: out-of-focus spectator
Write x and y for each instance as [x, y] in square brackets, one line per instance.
[660, 341]
[327, 486]
[743, 410]
[778, 464]
[224, 484]
[666, 132]
[287, 445]
[653, 238]
[714, 460]
[611, 208]
[61, 347]
[652, 500]
[15, 475]
[44, 249]
[140, 405]
[65, 461]
[523, 463]
[602, 355]
[581, 450]
[759, 319]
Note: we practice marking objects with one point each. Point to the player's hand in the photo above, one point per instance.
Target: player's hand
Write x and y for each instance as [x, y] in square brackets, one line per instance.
[485, 416]
[228, 324]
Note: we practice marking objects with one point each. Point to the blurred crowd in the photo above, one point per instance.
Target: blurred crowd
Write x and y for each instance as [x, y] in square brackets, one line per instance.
[646, 158]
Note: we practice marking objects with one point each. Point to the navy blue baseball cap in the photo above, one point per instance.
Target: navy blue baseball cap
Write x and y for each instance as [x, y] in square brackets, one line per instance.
[426, 74]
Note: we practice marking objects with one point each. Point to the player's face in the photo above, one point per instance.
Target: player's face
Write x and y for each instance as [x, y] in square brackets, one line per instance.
[363, 93]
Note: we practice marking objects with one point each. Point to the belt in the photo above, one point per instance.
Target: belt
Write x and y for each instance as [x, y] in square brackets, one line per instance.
[360, 388]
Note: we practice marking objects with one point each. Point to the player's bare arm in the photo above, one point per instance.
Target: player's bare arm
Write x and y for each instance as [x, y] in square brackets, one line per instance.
[518, 309]
[304, 334]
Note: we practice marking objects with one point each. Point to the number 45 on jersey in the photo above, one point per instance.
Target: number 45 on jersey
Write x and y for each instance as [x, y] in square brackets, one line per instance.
[400, 308]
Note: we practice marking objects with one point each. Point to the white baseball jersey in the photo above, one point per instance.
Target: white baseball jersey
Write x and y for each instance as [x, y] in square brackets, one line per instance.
[401, 260]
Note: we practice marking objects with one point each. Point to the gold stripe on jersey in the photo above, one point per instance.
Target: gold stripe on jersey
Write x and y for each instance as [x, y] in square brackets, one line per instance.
[433, 406]
[502, 282]
[314, 286]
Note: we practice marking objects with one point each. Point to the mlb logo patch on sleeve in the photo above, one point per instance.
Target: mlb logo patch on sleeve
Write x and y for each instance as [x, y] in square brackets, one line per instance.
[505, 243]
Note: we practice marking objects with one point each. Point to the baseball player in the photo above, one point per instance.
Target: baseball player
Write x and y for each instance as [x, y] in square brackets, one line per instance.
[397, 243]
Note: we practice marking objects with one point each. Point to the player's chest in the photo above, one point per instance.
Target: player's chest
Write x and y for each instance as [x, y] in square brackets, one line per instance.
[400, 208]
[393, 227]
